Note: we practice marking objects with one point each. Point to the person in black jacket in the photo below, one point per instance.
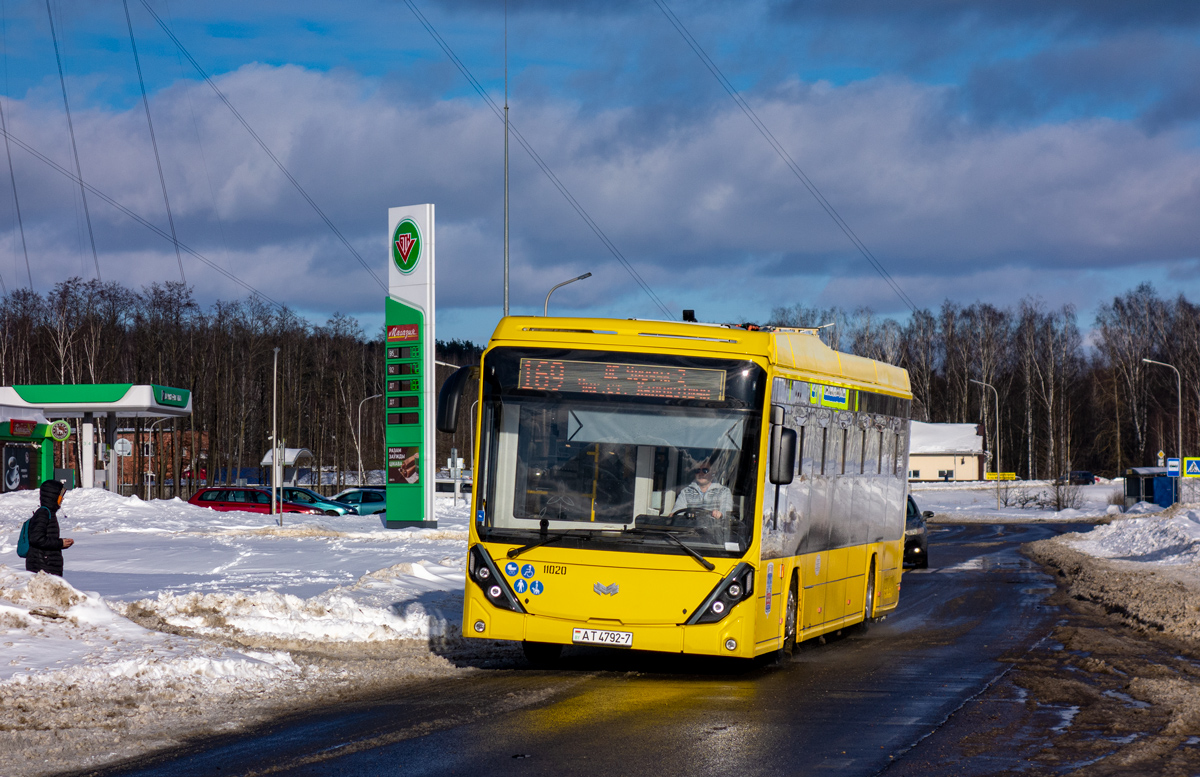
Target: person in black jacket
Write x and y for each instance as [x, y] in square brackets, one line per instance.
[45, 546]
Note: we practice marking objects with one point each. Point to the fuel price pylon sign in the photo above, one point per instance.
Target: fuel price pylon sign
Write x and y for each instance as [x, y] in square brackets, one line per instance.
[409, 393]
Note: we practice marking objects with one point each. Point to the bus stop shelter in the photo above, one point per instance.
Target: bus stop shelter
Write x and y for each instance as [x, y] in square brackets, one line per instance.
[95, 402]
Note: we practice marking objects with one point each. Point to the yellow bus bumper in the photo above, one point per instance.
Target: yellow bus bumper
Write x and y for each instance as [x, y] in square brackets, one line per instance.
[711, 639]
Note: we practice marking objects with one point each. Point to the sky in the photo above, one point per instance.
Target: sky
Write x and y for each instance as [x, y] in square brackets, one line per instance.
[979, 151]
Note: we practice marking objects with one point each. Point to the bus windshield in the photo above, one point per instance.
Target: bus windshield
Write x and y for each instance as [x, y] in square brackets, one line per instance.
[627, 452]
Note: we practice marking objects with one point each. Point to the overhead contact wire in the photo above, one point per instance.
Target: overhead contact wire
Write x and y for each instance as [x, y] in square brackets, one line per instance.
[62, 79]
[221, 95]
[154, 142]
[762, 128]
[131, 214]
[545, 168]
[17, 202]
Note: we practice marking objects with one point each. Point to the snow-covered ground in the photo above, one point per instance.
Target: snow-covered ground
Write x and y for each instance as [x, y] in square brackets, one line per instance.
[228, 594]
[200, 574]
[1020, 502]
[173, 619]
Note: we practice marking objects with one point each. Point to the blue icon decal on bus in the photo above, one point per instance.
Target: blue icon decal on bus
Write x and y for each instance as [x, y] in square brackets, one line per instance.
[510, 569]
[519, 586]
[536, 588]
[527, 571]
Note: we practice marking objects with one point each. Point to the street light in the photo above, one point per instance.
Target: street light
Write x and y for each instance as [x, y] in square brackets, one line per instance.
[275, 434]
[998, 448]
[546, 307]
[360, 466]
[1178, 419]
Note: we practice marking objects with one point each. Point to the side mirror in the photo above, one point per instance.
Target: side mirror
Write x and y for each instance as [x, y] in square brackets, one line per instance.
[449, 397]
[783, 450]
[927, 514]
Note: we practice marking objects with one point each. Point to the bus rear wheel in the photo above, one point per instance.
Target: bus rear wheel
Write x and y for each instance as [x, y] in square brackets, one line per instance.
[543, 654]
[790, 620]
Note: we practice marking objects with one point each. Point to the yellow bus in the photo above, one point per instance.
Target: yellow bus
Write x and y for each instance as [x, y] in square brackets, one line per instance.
[680, 487]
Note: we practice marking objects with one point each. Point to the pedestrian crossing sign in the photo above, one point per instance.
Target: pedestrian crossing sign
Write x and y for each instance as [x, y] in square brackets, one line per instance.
[1191, 467]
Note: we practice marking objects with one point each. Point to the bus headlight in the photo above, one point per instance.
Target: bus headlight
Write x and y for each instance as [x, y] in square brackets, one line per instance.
[483, 573]
[736, 587]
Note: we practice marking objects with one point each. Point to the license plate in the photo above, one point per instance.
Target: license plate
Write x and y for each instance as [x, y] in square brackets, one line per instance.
[598, 637]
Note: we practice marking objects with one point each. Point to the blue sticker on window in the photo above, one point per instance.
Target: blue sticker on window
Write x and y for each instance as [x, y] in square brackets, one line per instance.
[527, 570]
[479, 516]
[510, 569]
[520, 586]
[536, 588]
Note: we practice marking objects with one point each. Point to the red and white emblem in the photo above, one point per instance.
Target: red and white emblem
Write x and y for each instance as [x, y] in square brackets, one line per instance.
[404, 244]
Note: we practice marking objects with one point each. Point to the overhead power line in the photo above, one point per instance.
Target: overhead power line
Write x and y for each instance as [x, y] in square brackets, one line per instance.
[612, 248]
[62, 79]
[782, 152]
[16, 202]
[153, 141]
[131, 214]
[221, 95]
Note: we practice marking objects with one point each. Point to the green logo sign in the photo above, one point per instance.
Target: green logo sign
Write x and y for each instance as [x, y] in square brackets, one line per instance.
[406, 246]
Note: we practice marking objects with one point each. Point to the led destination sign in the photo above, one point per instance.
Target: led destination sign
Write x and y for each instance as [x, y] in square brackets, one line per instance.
[633, 380]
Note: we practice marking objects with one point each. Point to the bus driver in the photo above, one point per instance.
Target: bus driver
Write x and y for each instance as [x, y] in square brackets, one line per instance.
[704, 494]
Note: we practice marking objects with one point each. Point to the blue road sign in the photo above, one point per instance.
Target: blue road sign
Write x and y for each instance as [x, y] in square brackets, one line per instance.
[1172, 468]
[1191, 467]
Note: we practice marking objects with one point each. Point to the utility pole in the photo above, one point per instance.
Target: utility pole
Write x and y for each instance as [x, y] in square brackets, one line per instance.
[997, 393]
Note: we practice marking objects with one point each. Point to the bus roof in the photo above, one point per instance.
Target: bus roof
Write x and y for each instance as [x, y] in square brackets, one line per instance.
[796, 351]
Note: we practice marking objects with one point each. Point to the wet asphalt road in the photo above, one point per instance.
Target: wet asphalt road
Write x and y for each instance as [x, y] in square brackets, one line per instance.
[853, 706]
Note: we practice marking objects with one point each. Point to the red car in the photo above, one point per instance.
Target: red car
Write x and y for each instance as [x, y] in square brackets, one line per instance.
[250, 500]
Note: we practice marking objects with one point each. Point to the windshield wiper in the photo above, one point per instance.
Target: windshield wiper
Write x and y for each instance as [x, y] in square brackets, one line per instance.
[669, 535]
[514, 552]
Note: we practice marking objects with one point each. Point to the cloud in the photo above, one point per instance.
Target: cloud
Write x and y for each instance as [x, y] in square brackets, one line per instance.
[700, 205]
[1077, 13]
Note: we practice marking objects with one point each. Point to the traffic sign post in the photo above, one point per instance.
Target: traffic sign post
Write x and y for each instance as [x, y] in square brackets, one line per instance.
[1172, 468]
[122, 447]
[1191, 467]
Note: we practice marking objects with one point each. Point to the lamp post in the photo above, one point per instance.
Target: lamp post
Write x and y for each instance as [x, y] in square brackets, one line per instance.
[275, 434]
[1178, 419]
[546, 307]
[998, 448]
[360, 466]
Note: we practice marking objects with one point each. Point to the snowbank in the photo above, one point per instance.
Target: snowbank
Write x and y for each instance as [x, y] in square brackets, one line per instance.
[174, 619]
[1145, 570]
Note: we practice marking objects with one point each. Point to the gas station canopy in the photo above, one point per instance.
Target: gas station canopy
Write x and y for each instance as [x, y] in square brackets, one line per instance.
[124, 400]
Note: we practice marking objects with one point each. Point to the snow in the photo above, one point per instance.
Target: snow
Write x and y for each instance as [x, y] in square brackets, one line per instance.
[944, 438]
[1163, 539]
[195, 574]
[975, 501]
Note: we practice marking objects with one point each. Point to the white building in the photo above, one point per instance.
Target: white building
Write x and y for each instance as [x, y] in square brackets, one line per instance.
[945, 452]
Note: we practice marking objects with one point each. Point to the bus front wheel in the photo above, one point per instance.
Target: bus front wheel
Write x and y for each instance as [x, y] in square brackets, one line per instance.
[543, 654]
